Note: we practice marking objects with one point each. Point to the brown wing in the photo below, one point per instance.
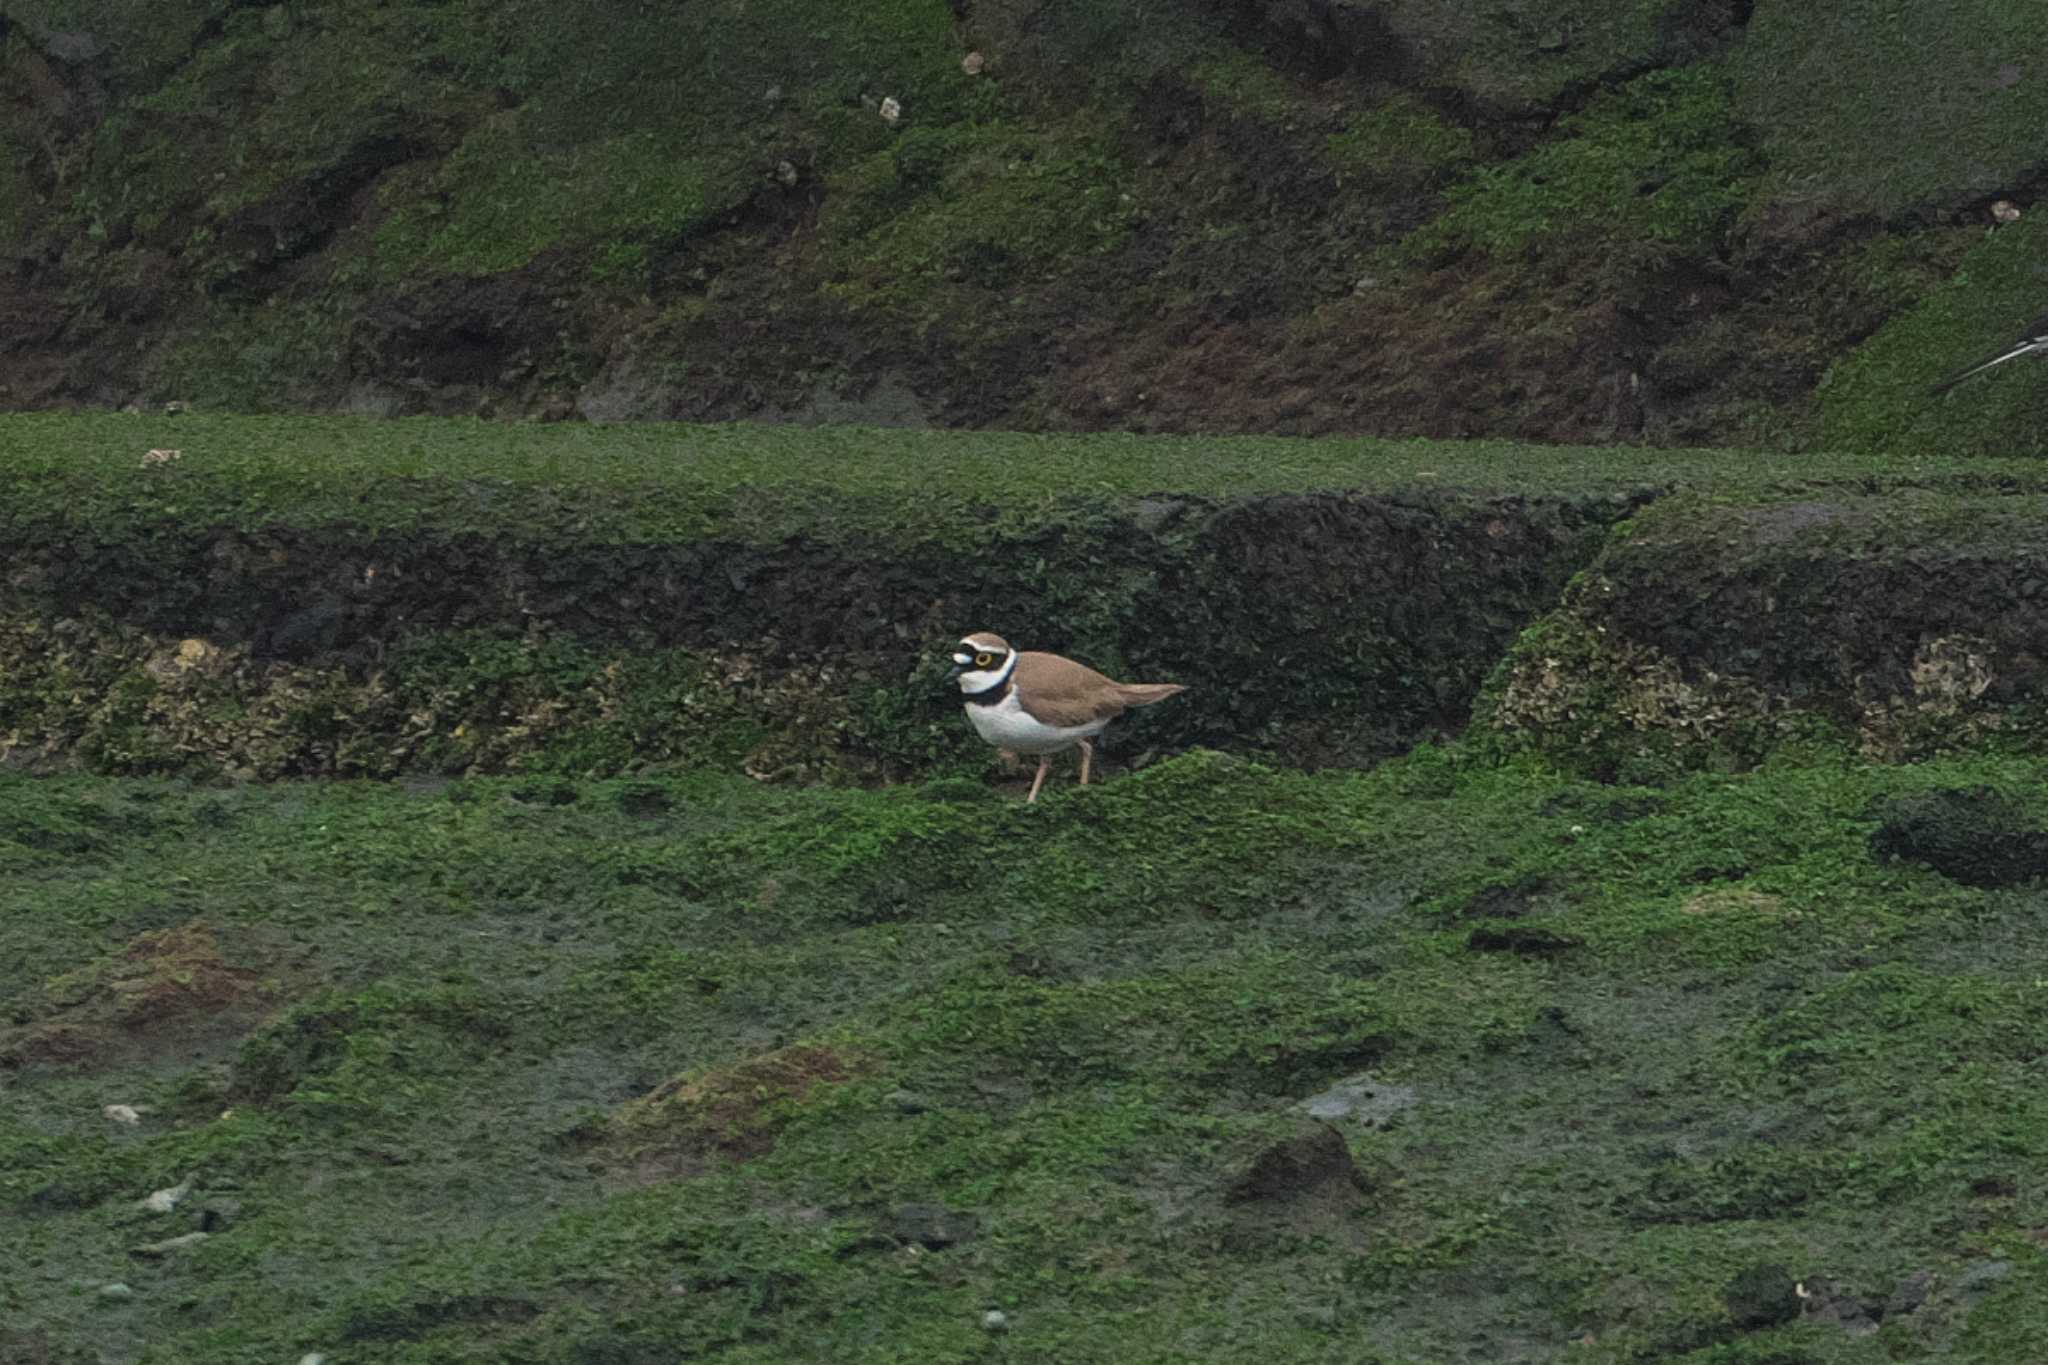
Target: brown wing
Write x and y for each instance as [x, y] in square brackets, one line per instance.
[1144, 694]
[1061, 692]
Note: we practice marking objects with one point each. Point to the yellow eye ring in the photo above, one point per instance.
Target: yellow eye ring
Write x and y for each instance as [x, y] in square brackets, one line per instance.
[984, 660]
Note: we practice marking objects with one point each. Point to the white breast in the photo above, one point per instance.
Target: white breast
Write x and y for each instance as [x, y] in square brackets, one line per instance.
[1007, 725]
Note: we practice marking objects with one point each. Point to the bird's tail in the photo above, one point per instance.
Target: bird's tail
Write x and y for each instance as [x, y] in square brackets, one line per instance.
[1144, 694]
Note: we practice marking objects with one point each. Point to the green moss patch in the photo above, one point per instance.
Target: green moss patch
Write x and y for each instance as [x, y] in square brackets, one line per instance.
[1401, 142]
[1877, 398]
[964, 206]
[1661, 160]
[1202, 1053]
[1876, 109]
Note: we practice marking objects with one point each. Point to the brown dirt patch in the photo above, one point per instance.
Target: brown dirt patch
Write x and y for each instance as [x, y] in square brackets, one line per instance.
[733, 1111]
[1735, 900]
[1455, 354]
[169, 992]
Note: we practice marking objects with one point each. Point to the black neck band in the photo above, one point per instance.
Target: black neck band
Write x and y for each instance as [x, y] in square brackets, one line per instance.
[988, 696]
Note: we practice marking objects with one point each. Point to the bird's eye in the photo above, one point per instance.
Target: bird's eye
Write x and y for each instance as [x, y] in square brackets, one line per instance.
[984, 660]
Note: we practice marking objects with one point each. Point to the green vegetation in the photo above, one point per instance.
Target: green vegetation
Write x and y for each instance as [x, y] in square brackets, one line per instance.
[677, 482]
[354, 598]
[935, 1053]
[1877, 399]
[1660, 161]
[1401, 141]
[1870, 107]
[1408, 217]
[1528, 54]
[974, 206]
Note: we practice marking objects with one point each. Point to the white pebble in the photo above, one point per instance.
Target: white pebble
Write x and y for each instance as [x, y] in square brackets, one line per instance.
[891, 110]
[995, 1320]
[123, 1113]
[163, 1201]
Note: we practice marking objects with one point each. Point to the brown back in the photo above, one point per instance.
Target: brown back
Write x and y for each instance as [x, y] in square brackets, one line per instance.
[1061, 692]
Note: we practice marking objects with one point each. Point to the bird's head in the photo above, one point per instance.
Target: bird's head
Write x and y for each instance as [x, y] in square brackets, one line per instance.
[982, 661]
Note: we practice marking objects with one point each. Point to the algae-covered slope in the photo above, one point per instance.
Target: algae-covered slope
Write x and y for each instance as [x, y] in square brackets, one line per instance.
[1445, 1062]
[269, 597]
[1539, 218]
[363, 598]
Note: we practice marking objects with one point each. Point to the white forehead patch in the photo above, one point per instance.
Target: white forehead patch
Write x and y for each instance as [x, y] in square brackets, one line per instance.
[961, 658]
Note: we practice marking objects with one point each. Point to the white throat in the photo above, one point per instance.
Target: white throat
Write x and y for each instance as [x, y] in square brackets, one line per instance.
[982, 679]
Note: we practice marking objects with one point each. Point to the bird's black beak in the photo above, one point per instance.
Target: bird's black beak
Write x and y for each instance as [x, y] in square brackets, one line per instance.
[955, 671]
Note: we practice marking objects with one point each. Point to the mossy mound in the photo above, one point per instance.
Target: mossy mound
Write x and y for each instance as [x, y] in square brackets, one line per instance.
[1715, 632]
[360, 598]
[399, 601]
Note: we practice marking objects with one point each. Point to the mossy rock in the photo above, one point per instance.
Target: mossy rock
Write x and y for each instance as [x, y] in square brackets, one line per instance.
[1712, 633]
[259, 614]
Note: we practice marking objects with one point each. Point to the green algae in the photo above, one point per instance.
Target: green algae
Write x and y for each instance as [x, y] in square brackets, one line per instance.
[674, 480]
[1402, 141]
[1660, 161]
[1874, 108]
[1877, 397]
[1769, 1048]
[346, 597]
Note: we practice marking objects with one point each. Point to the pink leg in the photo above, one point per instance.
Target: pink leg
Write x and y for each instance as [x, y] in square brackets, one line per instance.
[1087, 752]
[1044, 764]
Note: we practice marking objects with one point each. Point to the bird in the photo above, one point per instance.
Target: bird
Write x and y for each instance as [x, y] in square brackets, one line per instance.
[1033, 703]
[2033, 340]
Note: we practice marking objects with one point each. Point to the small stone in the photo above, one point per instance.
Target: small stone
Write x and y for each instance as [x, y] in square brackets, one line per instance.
[168, 1245]
[772, 95]
[972, 63]
[116, 1290]
[2005, 211]
[891, 110]
[995, 1320]
[312, 1358]
[785, 172]
[123, 1113]
[164, 1200]
[1362, 1098]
